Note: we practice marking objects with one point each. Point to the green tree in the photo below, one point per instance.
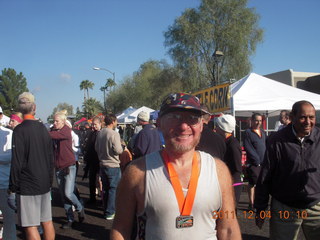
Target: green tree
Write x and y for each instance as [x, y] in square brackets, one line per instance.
[147, 86]
[11, 86]
[221, 25]
[60, 107]
[91, 107]
[85, 85]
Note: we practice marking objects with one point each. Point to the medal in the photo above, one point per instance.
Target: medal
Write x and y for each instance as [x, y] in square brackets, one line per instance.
[185, 220]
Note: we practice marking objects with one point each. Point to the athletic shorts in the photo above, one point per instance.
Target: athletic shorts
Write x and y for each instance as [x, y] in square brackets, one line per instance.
[34, 209]
[253, 174]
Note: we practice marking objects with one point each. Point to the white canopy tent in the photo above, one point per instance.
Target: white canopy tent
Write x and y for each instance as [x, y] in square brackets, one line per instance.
[255, 93]
[131, 117]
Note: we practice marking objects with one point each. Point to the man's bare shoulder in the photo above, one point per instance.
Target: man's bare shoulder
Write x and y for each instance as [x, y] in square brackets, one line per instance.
[135, 171]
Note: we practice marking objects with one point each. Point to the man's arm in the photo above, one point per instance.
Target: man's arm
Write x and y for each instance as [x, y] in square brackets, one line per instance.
[227, 225]
[18, 155]
[129, 200]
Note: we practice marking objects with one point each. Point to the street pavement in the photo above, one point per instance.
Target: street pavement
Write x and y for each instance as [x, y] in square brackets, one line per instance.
[95, 227]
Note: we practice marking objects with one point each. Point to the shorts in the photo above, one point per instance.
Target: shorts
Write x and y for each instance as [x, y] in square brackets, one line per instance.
[253, 174]
[32, 210]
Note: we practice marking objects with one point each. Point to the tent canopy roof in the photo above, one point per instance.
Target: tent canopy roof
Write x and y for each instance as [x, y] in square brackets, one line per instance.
[255, 93]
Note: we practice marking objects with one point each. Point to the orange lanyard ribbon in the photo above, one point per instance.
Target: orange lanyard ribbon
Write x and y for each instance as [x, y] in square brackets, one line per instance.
[185, 203]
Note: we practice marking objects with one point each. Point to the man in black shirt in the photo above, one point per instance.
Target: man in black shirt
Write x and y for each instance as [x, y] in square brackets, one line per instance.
[291, 175]
[31, 172]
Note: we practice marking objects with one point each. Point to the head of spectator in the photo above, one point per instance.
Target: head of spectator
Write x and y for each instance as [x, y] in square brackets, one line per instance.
[225, 125]
[284, 117]
[96, 123]
[26, 104]
[15, 119]
[180, 120]
[256, 121]
[205, 117]
[111, 121]
[60, 119]
[303, 116]
[143, 118]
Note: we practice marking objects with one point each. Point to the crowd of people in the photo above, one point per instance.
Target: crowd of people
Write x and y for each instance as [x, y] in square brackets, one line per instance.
[176, 177]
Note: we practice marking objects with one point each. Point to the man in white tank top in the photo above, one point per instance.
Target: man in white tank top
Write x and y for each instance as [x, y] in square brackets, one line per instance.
[176, 193]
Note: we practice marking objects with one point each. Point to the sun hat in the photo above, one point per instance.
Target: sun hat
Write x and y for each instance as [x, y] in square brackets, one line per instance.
[226, 123]
[181, 101]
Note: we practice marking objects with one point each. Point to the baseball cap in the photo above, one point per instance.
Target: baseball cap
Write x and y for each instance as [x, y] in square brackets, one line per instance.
[181, 101]
[226, 122]
[143, 116]
[26, 97]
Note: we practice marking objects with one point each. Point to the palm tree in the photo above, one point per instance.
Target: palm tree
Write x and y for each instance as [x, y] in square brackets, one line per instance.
[110, 83]
[85, 85]
[91, 107]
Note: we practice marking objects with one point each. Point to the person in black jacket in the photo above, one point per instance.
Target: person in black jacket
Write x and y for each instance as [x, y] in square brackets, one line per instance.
[91, 159]
[291, 175]
[210, 141]
[255, 146]
[225, 126]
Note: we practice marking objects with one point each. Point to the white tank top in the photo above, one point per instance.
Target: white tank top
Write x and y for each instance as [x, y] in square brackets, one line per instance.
[158, 221]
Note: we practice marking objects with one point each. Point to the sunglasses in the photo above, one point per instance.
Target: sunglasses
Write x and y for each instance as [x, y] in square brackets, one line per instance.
[176, 118]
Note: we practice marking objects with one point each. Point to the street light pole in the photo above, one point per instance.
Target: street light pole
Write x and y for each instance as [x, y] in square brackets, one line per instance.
[217, 55]
[113, 73]
[114, 80]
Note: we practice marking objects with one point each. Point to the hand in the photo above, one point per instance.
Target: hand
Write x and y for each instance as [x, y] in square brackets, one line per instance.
[259, 220]
[12, 201]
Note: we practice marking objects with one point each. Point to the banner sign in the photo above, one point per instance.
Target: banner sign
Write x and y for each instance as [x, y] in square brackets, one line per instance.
[216, 98]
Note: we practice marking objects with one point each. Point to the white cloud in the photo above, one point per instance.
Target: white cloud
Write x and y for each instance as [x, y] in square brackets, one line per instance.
[36, 89]
[65, 77]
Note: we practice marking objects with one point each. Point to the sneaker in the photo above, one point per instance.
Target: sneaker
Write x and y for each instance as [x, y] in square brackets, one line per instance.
[67, 225]
[110, 217]
[81, 215]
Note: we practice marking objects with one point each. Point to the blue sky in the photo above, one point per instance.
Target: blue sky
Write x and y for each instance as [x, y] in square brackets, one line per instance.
[56, 43]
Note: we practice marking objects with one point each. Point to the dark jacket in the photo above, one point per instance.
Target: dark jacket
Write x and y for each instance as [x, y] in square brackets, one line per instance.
[233, 158]
[212, 143]
[63, 153]
[255, 146]
[32, 159]
[147, 141]
[91, 157]
[291, 170]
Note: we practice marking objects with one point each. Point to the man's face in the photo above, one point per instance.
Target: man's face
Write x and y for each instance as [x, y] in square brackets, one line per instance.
[1, 115]
[181, 130]
[256, 122]
[58, 122]
[96, 125]
[283, 118]
[304, 120]
[115, 123]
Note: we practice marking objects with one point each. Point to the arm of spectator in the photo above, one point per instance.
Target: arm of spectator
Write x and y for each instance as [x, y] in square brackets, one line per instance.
[62, 134]
[227, 227]
[117, 147]
[16, 162]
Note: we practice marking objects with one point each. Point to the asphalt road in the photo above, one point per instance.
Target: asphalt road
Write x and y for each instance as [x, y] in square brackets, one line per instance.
[95, 227]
